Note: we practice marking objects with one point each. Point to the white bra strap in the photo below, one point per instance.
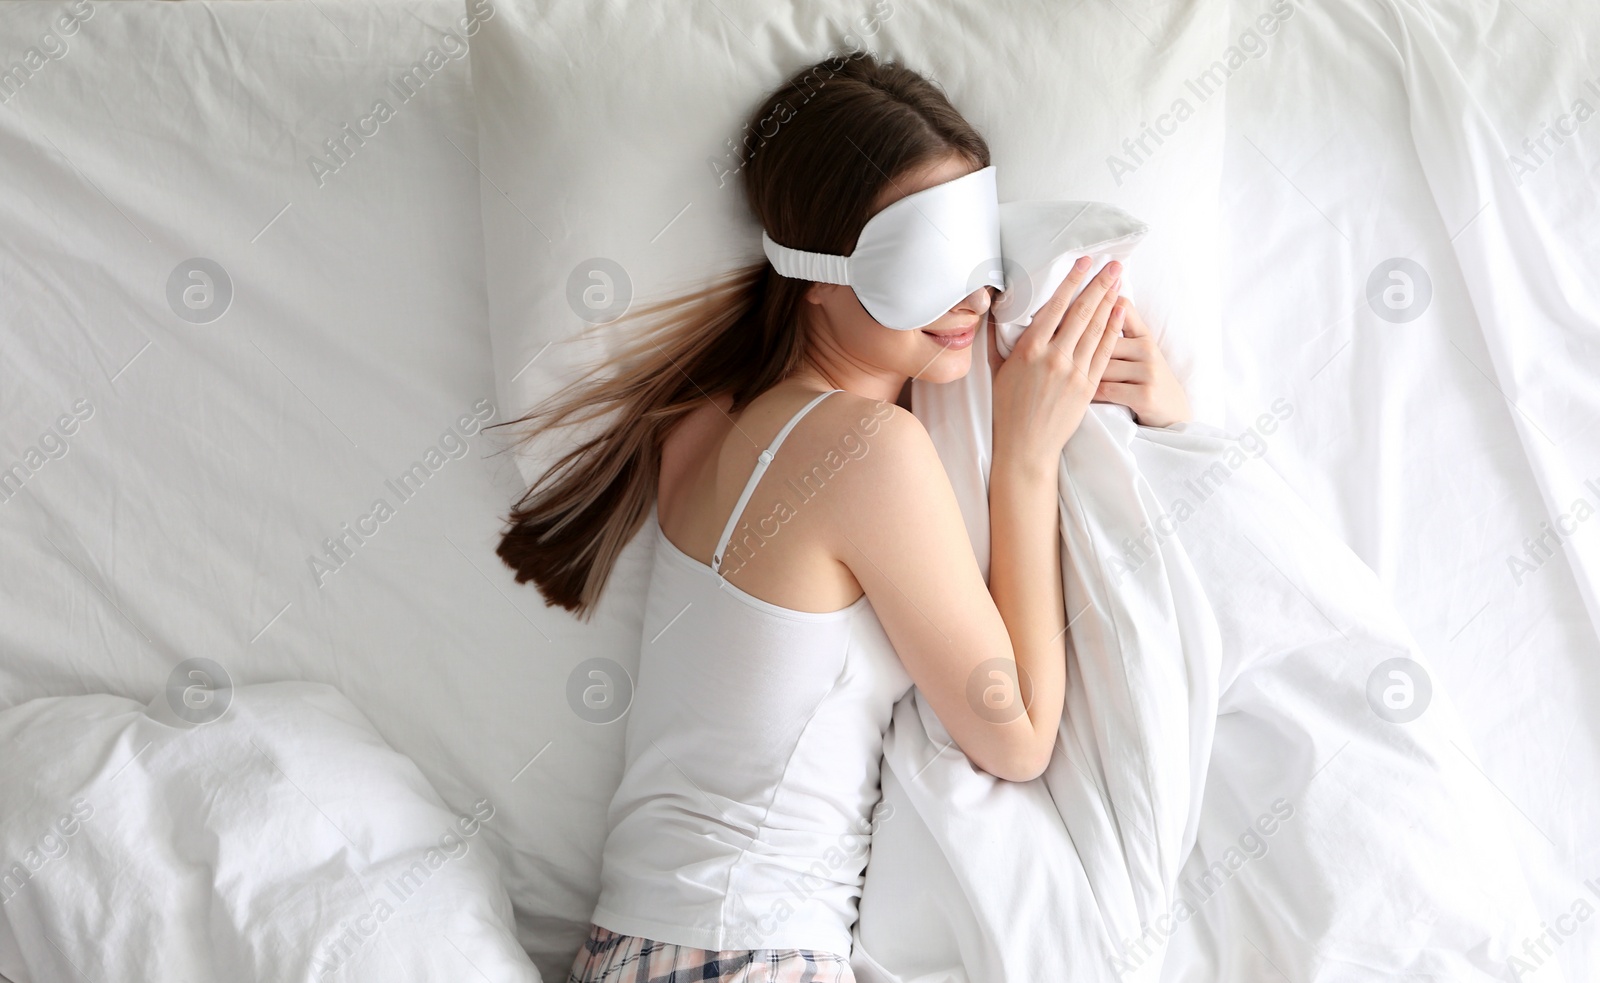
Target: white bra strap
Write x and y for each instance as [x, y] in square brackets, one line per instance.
[755, 477]
[801, 265]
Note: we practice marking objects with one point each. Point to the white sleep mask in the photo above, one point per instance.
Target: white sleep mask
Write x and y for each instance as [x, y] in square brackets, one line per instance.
[917, 258]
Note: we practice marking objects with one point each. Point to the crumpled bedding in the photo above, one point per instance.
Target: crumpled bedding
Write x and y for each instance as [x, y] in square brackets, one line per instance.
[259, 832]
[1253, 769]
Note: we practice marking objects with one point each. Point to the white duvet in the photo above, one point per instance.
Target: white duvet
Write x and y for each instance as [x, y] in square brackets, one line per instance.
[276, 837]
[1252, 767]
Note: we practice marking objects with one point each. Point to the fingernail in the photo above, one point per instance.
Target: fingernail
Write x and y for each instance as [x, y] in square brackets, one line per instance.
[1082, 264]
[1115, 268]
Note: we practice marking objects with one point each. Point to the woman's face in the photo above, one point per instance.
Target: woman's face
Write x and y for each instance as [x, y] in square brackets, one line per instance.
[941, 352]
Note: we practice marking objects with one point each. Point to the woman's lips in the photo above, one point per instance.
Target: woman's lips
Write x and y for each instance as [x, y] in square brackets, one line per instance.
[954, 340]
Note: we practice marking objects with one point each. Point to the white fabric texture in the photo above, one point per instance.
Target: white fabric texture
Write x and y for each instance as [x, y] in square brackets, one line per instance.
[202, 468]
[752, 748]
[1442, 435]
[1221, 643]
[1407, 440]
[1039, 254]
[281, 840]
[797, 263]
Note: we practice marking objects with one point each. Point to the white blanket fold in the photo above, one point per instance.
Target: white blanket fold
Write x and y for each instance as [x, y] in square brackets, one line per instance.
[1230, 782]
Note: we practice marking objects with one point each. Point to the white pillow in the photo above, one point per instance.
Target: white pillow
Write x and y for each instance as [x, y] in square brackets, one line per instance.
[606, 139]
[606, 142]
[260, 832]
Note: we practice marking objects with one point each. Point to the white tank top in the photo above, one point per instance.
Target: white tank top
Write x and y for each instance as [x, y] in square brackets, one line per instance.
[751, 758]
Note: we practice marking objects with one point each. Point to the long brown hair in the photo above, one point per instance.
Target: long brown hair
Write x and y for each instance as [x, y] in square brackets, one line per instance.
[839, 131]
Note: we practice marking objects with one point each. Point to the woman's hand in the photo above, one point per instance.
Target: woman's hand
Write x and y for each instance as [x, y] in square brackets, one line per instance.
[1138, 376]
[1043, 389]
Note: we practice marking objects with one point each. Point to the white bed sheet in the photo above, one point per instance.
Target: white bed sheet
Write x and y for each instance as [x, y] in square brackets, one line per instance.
[212, 460]
[1435, 446]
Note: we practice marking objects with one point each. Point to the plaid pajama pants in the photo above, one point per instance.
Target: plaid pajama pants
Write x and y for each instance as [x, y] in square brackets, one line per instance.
[608, 957]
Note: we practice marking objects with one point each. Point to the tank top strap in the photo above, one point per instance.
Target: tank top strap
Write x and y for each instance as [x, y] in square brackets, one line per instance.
[755, 478]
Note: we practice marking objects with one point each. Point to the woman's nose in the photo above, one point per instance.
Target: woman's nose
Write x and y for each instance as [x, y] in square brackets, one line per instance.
[976, 302]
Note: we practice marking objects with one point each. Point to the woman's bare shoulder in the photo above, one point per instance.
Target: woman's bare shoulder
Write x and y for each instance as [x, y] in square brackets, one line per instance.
[844, 405]
[891, 445]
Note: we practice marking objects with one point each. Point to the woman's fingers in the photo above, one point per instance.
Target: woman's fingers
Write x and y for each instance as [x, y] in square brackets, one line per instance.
[1133, 325]
[1132, 349]
[1122, 370]
[1089, 305]
[1108, 343]
[1094, 331]
[1042, 328]
[1121, 393]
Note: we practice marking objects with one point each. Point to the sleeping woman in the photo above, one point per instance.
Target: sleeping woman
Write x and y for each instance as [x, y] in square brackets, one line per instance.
[737, 839]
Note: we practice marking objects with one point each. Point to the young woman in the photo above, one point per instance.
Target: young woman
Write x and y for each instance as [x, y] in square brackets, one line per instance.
[799, 506]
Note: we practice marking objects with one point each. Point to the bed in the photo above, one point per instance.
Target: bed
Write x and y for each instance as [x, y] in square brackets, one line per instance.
[270, 268]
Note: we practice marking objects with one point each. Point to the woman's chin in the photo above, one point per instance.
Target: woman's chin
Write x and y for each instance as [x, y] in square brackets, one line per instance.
[948, 367]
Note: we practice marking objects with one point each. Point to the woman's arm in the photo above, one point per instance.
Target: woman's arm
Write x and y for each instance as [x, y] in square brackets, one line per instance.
[1040, 395]
[1025, 582]
[903, 537]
